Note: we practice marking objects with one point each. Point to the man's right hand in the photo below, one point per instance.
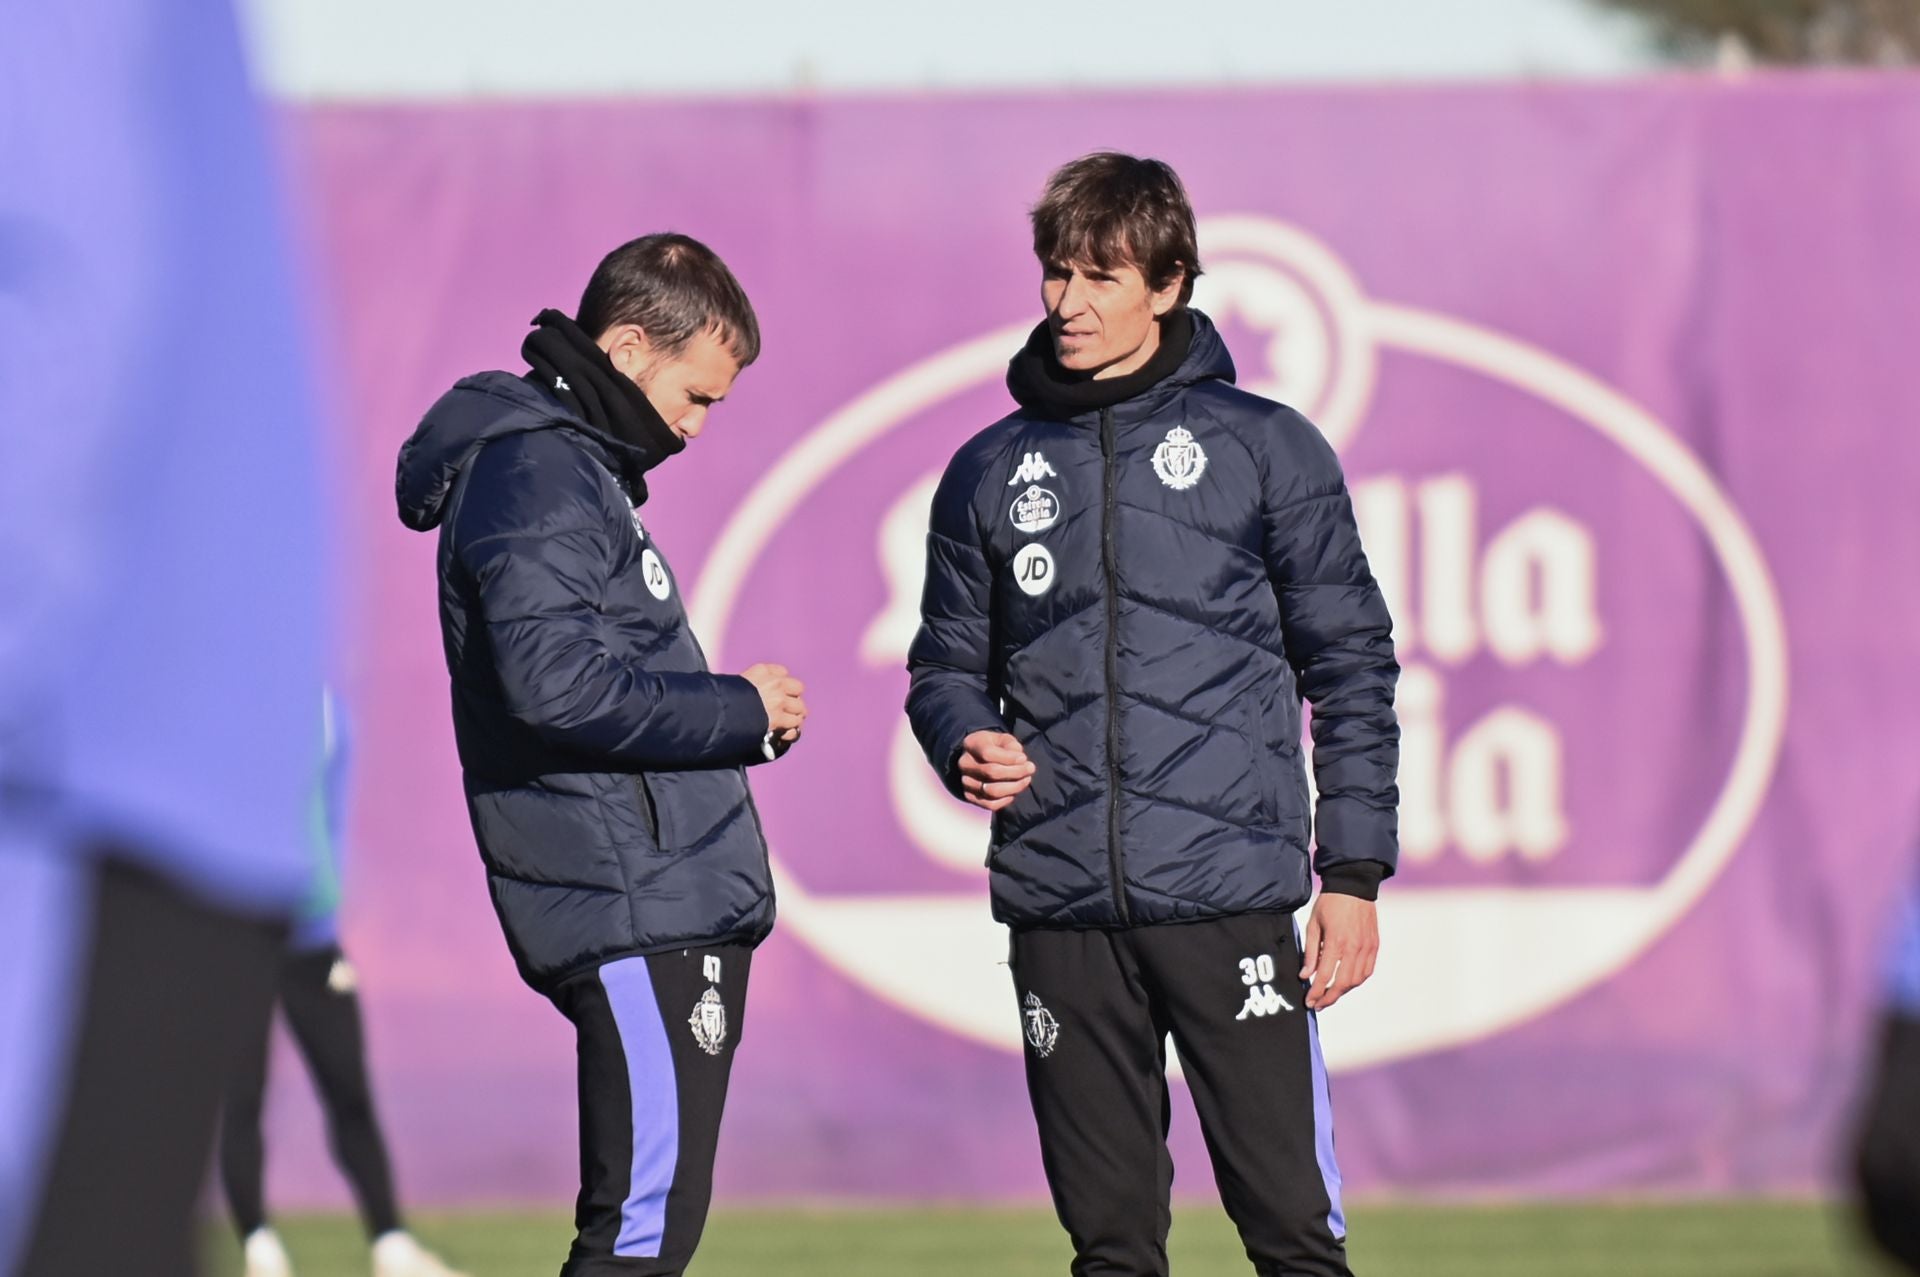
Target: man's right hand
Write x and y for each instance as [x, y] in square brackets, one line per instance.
[782, 694]
[994, 770]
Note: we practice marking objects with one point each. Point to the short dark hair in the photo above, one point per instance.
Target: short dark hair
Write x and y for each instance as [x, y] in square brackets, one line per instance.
[1109, 210]
[672, 287]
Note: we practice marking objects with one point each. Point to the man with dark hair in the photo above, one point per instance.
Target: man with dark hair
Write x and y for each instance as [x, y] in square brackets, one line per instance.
[604, 764]
[1151, 822]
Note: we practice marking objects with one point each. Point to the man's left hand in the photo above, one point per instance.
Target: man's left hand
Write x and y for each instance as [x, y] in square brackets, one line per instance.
[1343, 940]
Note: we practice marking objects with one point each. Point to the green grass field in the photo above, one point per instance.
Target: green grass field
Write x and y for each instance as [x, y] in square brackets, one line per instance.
[1742, 1239]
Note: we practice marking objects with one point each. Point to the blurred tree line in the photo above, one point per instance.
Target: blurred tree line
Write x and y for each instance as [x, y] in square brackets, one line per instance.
[1773, 32]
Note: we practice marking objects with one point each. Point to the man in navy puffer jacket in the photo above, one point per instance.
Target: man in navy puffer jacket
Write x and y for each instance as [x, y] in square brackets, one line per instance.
[1132, 582]
[603, 761]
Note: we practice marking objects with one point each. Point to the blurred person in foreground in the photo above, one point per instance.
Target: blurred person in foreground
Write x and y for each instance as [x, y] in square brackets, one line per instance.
[604, 764]
[160, 620]
[1887, 1164]
[317, 989]
[1131, 582]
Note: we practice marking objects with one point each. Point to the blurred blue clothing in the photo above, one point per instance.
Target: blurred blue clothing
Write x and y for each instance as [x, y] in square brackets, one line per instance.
[161, 625]
[316, 924]
[160, 566]
[1904, 984]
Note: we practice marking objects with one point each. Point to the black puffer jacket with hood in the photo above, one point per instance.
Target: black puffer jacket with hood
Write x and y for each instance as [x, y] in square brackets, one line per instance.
[603, 761]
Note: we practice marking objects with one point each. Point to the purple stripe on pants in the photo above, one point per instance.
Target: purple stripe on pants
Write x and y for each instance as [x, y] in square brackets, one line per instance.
[656, 1105]
[1323, 1131]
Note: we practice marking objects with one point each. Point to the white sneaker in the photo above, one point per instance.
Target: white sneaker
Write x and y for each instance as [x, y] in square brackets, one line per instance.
[266, 1257]
[396, 1254]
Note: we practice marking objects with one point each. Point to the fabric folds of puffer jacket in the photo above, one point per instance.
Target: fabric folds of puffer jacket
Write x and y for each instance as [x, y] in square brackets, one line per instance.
[603, 762]
[1197, 571]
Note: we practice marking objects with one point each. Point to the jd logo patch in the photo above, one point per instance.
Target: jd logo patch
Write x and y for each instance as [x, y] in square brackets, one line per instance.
[653, 570]
[1033, 570]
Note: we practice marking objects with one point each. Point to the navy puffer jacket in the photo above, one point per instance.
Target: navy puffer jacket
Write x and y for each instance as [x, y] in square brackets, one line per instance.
[603, 762]
[1142, 594]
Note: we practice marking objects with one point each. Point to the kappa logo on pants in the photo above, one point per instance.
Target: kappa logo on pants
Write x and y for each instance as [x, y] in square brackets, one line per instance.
[1262, 1000]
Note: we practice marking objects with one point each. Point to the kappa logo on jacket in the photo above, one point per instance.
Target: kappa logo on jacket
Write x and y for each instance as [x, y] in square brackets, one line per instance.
[1179, 460]
[1033, 468]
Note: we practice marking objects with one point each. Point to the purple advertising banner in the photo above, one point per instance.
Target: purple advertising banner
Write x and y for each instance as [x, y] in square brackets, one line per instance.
[1623, 381]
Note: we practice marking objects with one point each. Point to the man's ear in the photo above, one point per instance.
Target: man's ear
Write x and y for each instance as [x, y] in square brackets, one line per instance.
[1165, 299]
[627, 347]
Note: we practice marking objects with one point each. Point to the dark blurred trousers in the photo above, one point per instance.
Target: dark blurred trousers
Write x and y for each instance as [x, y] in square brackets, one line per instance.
[1888, 1159]
[170, 993]
[326, 1027]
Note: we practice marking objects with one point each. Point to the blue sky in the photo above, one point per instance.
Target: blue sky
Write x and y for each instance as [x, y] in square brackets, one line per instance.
[358, 49]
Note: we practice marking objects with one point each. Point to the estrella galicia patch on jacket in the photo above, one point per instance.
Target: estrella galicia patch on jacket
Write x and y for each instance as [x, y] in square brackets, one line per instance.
[1033, 569]
[709, 1022]
[653, 570]
[1035, 510]
[1179, 460]
[1043, 1031]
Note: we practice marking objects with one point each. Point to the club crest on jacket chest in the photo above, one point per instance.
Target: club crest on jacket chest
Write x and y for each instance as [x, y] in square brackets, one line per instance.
[1179, 460]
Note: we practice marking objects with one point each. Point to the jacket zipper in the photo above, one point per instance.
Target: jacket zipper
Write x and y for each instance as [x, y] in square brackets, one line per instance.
[1116, 873]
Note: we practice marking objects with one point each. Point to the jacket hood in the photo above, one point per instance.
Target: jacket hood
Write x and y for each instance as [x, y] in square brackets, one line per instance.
[1036, 382]
[478, 410]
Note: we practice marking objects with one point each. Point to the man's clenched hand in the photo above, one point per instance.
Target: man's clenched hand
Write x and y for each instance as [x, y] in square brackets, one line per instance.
[994, 770]
[783, 695]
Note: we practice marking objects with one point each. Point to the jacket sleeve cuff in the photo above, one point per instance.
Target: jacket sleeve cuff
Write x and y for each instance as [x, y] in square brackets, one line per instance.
[741, 732]
[1360, 878]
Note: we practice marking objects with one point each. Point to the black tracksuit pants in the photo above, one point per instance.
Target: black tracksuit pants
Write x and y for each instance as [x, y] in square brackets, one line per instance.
[316, 992]
[656, 1037]
[1097, 1007]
